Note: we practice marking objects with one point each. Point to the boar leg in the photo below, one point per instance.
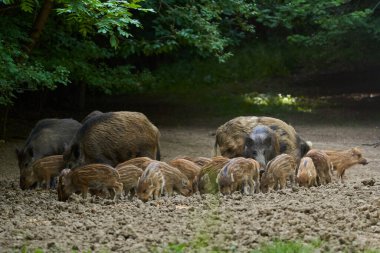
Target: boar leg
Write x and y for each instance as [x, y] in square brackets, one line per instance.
[168, 191]
[282, 183]
[47, 182]
[132, 193]
[251, 186]
[112, 193]
[126, 191]
[292, 180]
[84, 192]
[257, 185]
[156, 193]
[341, 176]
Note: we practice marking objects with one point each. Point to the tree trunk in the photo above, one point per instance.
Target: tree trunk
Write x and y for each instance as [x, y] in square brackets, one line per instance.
[39, 24]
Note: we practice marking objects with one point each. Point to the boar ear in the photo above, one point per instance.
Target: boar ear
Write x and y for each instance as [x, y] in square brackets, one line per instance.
[184, 182]
[248, 142]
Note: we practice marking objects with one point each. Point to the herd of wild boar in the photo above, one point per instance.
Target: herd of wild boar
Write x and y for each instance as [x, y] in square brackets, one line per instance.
[118, 153]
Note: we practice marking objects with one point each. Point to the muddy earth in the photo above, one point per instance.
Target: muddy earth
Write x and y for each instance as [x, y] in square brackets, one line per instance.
[340, 217]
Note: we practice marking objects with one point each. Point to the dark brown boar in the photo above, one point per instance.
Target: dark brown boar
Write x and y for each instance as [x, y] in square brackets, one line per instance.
[306, 174]
[160, 177]
[278, 171]
[42, 170]
[344, 159]
[97, 177]
[129, 177]
[322, 165]
[141, 162]
[239, 174]
[189, 169]
[260, 138]
[112, 138]
[207, 177]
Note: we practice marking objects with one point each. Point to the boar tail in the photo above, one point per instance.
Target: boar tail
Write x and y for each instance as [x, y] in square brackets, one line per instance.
[215, 148]
[158, 152]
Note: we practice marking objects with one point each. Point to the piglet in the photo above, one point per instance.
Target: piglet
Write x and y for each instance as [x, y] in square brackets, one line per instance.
[96, 177]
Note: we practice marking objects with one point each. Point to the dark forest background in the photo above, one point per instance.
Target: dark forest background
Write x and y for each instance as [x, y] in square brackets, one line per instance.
[183, 57]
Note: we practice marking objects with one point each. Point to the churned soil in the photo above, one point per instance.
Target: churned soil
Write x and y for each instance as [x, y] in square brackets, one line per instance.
[341, 217]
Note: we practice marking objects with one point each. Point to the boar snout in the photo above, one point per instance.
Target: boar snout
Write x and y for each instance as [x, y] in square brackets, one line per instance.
[363, 161]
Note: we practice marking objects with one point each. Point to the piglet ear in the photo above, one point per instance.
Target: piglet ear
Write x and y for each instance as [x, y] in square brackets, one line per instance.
[184, 182]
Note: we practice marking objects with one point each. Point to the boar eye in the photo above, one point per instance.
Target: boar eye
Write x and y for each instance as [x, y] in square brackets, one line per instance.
[254, 153]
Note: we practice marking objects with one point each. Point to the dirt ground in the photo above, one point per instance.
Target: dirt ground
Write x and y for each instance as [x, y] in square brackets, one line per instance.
[342, 217]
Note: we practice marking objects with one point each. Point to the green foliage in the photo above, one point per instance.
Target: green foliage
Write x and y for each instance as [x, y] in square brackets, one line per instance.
[285, 247]
[109, 45]
[112, 18]
[29, 75]
[204, 28]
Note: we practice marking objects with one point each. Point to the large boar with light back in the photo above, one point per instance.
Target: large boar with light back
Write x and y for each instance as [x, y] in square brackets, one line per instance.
[161, 178]
[239, 174]
[279, 170]
[95, 177]
[260, 138]
[344, 159]
[112, 138]
[48, 137]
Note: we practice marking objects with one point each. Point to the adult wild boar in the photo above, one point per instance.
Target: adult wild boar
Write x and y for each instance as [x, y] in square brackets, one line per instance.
[260, 138]
[112, 138]
[48, 137]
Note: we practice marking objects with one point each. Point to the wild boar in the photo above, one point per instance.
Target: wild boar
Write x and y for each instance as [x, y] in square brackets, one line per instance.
[151, 183]
[278, 171]
[141, 162]
[48, 137]
[239, 174]
[322, 165]
[168, 180]
[112, 138]
[260, 138]
[189, 169]
[307, 174]
[344, 159]
[97, 177]
[129, 177]
[42, 170]
[208, 174]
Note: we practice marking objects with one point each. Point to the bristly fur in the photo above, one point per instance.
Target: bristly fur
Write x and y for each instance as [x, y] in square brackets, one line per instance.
[230, 137]
[344, 159]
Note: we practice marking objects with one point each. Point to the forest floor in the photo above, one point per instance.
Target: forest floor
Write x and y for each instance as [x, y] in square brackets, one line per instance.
[336, 217]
